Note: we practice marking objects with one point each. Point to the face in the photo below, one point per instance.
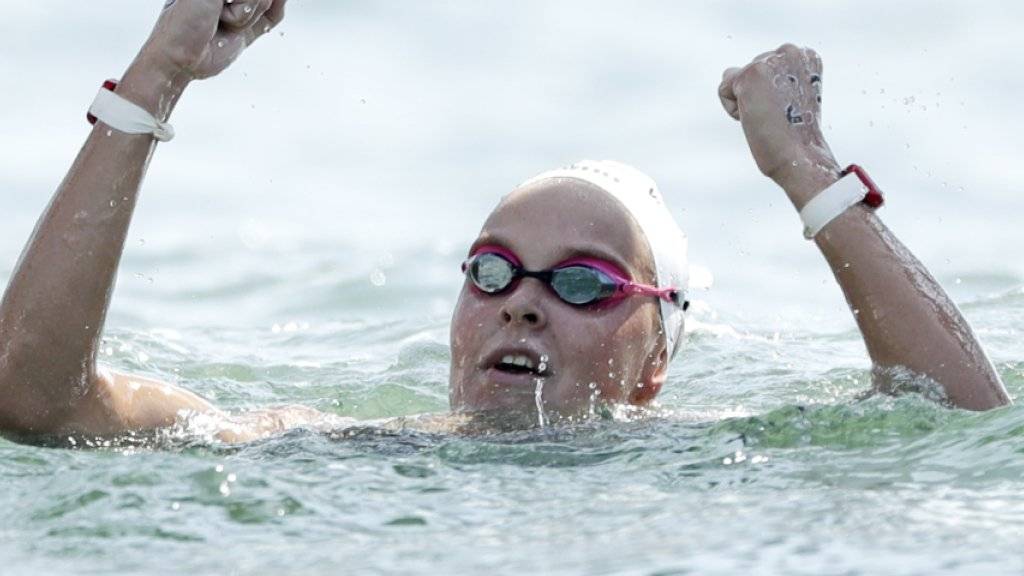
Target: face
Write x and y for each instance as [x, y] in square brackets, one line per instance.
[591, 354]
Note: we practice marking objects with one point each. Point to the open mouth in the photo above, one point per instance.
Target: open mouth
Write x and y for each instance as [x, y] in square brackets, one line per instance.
[520, 364]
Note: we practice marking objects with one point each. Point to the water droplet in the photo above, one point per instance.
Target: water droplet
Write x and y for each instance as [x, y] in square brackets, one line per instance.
[247, 9]
[795, 163]
[220, 43]
[592, 385]
[110, 132]
[175, 506]
[266, 28]
[378, 278]
[958, 280]
[538, 400]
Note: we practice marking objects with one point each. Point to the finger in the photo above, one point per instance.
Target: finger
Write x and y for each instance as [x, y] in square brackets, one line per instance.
[727, 94]
[812, 60]
[270, 19]
[240, 14]
[788, 49]
[813, 68]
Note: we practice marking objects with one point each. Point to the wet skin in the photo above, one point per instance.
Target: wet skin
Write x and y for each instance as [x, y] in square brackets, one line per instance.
[593, 354]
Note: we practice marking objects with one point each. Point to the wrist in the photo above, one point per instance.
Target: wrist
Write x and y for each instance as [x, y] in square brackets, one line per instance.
[803, 179]
[154, 87]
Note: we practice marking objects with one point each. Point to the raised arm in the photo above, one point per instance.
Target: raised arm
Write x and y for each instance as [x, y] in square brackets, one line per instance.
[54, 308]
[910, 326]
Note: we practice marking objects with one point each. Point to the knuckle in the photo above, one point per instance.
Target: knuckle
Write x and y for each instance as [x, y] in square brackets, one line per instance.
[788, 48]
[755, 70]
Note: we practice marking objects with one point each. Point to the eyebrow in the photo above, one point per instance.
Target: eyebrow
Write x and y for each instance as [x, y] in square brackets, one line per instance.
[566, 253]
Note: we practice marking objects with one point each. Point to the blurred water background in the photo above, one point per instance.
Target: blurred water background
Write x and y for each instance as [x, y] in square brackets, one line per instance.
[299, 241]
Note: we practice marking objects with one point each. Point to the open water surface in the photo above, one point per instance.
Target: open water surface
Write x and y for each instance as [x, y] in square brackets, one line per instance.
[299, 243]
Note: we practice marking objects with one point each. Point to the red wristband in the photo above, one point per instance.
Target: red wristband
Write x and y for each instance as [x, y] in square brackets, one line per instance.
[874, 197]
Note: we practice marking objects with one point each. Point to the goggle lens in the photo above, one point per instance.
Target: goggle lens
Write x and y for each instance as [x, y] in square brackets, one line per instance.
[491, 273]
[581, 285]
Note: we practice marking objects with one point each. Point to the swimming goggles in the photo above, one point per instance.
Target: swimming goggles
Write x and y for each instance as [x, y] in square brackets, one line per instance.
[579, 281]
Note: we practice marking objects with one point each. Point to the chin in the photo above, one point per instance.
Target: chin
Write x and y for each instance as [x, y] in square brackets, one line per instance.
[486, 396]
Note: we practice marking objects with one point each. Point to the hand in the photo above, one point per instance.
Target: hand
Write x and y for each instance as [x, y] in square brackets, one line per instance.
[196, 39]
[777, 99]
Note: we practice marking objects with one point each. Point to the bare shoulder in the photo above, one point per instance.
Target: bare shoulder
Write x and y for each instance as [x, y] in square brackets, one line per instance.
[118, 403]
[240, 427]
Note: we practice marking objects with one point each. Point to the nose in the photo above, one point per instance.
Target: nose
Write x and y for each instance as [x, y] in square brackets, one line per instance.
[523, 305]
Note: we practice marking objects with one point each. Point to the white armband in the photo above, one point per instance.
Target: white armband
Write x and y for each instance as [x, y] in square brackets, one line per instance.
[853, 187]
[124, 116]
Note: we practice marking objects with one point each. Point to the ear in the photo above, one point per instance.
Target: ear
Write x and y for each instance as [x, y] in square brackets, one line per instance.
[652, 378]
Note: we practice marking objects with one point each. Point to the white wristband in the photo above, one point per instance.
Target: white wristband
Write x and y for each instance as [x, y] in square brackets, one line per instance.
[830, 203]
[124, 116]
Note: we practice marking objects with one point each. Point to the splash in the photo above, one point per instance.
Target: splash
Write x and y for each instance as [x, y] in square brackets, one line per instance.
[538, 399]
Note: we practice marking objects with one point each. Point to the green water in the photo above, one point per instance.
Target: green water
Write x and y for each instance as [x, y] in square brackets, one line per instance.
[751, 466]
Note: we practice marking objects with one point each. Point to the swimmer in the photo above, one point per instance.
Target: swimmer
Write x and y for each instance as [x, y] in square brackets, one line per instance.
[575, 288]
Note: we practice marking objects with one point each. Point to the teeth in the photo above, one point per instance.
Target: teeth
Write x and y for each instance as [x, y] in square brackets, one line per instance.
[517, 360]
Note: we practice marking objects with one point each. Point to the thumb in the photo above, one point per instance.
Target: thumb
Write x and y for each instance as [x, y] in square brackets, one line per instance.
[727, 94]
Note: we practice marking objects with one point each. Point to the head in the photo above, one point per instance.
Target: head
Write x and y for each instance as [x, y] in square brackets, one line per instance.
[615, 351]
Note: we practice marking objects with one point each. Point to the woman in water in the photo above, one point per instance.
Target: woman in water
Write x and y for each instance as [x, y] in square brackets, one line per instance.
[575, 288]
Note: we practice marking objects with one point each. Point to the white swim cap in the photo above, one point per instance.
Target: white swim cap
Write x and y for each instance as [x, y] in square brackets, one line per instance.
[639, 194]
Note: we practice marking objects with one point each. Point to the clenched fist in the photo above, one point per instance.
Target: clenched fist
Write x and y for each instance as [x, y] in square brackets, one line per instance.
[200, 38]
[777, 99]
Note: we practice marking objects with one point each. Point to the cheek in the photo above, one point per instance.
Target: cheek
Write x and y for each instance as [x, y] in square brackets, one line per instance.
[471, 318]
[606, 350]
